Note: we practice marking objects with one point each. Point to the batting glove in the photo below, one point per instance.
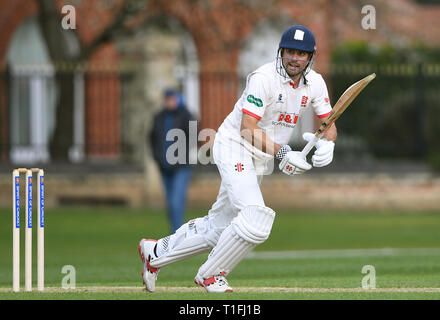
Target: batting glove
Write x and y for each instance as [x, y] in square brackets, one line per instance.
[323, 155]
[292, 162]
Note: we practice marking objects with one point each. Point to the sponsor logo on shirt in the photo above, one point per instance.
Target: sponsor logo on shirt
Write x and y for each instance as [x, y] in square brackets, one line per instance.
[239, 167]
[257, 101]
[286, 119]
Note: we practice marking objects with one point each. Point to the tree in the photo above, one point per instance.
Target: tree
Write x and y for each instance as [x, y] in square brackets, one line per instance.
[57, 43]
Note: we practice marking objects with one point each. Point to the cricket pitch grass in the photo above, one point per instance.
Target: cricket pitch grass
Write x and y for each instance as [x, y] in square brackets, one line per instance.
[309, 255]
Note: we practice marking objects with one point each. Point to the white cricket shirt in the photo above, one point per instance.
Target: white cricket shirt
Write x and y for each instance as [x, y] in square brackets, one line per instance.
[278, 106]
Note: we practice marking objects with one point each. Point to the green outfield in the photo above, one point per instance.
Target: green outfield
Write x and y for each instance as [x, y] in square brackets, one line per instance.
[309, 255]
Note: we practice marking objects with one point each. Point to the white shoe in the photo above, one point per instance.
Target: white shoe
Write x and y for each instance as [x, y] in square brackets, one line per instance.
[214, 284]
[149, 274]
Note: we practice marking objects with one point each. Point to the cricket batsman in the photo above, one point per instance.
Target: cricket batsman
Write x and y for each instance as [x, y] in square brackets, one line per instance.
[257, 130]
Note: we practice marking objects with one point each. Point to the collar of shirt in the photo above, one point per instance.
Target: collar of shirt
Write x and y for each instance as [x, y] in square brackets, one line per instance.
[291, 83]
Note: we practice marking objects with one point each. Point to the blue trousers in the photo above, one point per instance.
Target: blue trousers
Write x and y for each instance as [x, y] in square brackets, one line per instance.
[176, 185]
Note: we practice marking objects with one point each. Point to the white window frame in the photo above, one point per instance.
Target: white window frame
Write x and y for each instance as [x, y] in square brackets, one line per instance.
[37, 151]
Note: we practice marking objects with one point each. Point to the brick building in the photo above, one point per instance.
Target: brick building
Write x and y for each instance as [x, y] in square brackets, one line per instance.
[219, 29]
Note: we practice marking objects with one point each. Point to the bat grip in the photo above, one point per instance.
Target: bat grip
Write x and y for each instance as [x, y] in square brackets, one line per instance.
[309, 146]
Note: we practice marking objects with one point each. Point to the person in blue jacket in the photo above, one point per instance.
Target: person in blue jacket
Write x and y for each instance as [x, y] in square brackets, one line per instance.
[175, 177]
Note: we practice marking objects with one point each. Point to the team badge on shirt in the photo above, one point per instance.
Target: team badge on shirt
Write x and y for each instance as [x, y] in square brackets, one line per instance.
[304, 101]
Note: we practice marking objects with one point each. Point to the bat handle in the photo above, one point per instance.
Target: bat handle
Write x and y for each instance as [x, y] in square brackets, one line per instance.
[309, 146]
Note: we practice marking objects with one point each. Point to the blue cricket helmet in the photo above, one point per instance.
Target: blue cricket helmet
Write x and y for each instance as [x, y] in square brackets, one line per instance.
[298, 37]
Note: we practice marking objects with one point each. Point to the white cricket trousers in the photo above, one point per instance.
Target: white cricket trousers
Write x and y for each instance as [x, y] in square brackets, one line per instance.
[240, 184]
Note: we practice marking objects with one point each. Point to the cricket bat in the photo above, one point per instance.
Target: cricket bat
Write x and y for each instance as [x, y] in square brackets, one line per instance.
[344, 101]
